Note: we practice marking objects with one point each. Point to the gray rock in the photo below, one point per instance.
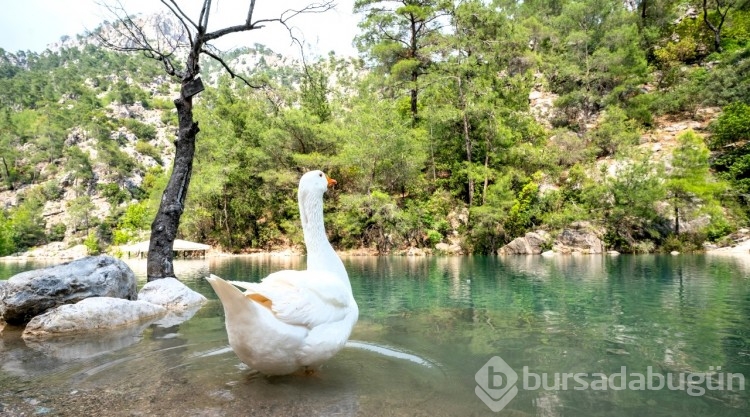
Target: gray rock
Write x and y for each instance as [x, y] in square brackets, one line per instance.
[449, 248]
[91, 315]
[581, 238]
[31, 293]
[530, 244]
[171, 294]
[76, 346]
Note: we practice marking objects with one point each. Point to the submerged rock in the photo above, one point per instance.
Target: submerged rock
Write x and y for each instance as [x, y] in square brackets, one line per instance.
[90, 315]
[31, 293]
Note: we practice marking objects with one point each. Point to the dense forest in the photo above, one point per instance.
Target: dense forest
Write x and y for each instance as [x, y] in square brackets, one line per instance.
[432, 133]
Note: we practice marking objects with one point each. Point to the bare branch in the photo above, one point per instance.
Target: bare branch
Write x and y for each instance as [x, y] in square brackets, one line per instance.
[228, 68]
[291, 13]
[285, 16]
[205, 11]
[172, 5]
[178, 13]
[250, 11]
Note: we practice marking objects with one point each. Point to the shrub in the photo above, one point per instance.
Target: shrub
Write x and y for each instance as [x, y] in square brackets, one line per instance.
[148, 149]
[141, 130]
[92, 244]
[57, 232]
[114, 194]
[732, 125]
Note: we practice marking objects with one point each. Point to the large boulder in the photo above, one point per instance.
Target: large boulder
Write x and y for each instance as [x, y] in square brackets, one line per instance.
[580, 237]
[91, 315]
[31, 293]
[171, 294]
[531, 244]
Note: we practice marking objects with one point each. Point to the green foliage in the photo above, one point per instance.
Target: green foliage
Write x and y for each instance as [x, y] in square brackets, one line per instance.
[614, 132]
[114, 194]
[148, 149]
[691, 40]
[625, 202]
[141, 130]
[127, 94]
[689, 180]
[27, 225]
[430, 134]
[119, 164]
[524, 211]
[133, 222]
[92, 244]
[380, 150]
[371, 221]
[7, 234]
[79, 210]
[732, 125]
[57, 232]
[78, 163]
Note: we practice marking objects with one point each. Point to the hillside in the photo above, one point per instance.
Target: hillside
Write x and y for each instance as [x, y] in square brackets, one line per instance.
[508, 130]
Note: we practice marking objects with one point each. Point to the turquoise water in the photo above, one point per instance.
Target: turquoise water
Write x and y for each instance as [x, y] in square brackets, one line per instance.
[427, 326]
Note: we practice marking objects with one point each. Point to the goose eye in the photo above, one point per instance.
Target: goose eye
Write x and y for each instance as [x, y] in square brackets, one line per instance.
[320, 175]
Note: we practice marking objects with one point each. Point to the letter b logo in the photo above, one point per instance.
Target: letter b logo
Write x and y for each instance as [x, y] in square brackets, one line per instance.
[496, 383]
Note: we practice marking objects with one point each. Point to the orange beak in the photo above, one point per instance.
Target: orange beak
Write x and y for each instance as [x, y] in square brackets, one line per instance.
[331, 181]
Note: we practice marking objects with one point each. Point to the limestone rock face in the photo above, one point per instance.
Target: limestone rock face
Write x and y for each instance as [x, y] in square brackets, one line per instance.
[31, 293]
[91, 315]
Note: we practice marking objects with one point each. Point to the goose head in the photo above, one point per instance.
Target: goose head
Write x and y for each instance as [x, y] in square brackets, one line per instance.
[315, 183]
[312, 186]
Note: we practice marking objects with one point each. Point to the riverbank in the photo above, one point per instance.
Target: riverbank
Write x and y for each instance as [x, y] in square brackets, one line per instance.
[59, 252]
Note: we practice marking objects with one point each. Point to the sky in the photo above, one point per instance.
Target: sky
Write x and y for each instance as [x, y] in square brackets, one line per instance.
[30, 25]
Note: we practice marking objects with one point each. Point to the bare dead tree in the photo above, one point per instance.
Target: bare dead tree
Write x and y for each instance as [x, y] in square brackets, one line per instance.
[722, 9]
[131, 36]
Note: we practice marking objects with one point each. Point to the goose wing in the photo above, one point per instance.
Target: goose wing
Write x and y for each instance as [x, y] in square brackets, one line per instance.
[302, 298]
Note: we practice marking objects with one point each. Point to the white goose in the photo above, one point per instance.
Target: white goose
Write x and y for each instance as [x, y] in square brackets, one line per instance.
[293, 320]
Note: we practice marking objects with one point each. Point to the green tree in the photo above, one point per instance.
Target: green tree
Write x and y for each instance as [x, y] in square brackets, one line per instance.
[397, 35]
[27, 224]
[92, 243]
[478, 92]
[135, 39]
[7, 234]
[625, 199]
[593, 58]
[79, 212]
[614, 132]
[689, 183]
[380, 150]
[731, 141]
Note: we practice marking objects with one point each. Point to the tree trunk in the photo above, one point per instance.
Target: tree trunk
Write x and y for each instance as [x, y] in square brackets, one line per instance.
[164, 227]
[716, 29]
[467, 139]
[7, 175]
[413, 49]
[486, 174]
[676, 220]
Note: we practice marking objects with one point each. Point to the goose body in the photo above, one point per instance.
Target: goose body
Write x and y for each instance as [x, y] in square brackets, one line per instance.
[293, 320]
